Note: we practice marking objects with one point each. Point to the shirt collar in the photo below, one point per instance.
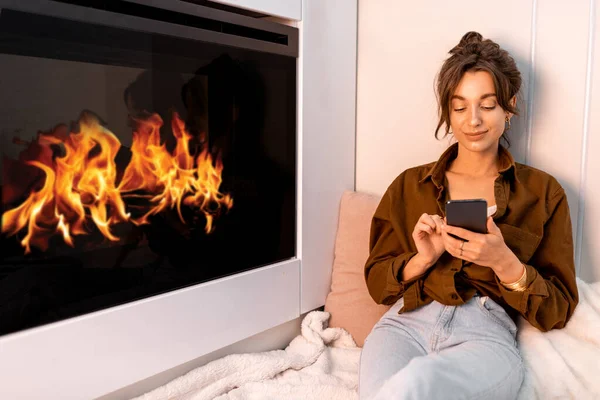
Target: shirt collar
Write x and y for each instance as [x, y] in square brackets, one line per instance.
[437, 172]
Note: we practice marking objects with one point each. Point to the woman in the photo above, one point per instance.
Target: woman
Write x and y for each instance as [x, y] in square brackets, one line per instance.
[450, 332]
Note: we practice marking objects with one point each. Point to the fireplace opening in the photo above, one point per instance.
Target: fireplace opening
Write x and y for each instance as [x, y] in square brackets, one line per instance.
[134, 162]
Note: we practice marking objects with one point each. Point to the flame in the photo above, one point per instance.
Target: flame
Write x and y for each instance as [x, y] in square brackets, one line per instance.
[176, 178]
[80, 188]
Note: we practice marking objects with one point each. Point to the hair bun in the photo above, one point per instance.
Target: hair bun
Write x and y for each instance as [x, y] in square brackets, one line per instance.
[470, 42]
[471, 37]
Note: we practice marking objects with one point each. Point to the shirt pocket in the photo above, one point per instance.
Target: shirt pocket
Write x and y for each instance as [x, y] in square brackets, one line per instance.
[522, 242]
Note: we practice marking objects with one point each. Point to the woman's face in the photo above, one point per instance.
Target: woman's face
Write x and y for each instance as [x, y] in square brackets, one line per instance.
[476, 118]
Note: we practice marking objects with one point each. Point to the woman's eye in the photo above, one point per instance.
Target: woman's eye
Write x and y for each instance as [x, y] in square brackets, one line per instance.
[459, 109]
[489, 108]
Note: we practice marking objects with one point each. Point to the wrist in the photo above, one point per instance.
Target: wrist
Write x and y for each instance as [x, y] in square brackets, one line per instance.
[422, 262]
[511, 272]
[507, 265]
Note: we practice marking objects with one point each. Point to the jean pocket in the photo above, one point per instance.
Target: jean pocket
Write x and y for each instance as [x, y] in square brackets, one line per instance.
[497, 313]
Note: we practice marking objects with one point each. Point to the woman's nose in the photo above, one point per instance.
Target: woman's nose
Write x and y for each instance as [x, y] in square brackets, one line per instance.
[475, 118]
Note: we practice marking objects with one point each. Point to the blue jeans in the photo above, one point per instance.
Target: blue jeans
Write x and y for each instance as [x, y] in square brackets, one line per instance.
[442, 352]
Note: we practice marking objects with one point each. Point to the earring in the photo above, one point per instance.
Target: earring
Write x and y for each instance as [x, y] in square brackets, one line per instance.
[508, 122]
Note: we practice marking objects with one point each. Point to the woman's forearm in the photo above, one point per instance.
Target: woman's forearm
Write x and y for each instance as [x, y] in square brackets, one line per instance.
[415, 267]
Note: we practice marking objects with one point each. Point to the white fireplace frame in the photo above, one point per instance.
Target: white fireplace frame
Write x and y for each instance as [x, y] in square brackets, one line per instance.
[100, 352]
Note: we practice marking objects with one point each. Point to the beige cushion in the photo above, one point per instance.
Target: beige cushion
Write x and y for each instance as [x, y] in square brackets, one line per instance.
[349, 302]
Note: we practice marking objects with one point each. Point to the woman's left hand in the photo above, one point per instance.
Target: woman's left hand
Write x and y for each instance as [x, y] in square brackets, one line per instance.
[488, 250]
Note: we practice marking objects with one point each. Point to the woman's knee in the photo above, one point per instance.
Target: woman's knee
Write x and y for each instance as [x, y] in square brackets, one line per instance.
[414, 381]
[417, 378]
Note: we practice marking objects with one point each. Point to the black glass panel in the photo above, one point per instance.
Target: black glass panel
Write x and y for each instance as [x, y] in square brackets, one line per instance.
[135, 164]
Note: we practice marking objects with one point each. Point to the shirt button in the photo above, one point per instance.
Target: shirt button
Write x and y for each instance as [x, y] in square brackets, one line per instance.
[454, 296]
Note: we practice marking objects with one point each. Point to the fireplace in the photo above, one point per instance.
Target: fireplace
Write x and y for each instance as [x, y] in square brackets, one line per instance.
[139, 158]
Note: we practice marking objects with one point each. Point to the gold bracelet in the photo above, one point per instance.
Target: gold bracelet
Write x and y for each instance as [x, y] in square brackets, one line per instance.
[520, 284]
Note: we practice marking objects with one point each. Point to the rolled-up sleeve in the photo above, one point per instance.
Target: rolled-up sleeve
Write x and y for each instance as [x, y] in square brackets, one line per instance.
[551, 295]
[390, 251]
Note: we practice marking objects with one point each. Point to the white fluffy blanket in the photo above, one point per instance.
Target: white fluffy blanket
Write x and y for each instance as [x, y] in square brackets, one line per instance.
[564, 363]
[322, 363]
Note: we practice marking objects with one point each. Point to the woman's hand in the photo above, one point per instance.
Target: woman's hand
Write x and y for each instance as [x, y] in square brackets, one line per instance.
[488, 250]
[428, 238]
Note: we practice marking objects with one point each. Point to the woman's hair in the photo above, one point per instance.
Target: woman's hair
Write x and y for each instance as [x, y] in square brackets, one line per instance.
[473, 53]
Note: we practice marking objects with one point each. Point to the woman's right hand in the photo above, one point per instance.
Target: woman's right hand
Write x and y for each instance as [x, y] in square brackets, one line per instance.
[428, 238]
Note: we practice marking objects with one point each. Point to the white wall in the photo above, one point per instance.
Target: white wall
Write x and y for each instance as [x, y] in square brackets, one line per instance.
[590, 187]
[401, 47]
[559, 118]
[328, 57]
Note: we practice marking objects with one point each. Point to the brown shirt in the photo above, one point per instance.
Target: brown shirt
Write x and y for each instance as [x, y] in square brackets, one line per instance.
[533, 216]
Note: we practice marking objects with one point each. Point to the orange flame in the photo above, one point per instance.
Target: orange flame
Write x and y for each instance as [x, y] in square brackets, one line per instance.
[174, 178]
[80, 188]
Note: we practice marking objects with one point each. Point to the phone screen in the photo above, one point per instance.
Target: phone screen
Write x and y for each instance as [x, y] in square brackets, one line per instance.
[467, 214]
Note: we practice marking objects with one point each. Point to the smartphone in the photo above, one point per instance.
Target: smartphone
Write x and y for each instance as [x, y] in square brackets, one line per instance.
[467, 214]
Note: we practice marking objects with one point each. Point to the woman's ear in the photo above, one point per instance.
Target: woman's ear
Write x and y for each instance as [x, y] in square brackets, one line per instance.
[513, 103]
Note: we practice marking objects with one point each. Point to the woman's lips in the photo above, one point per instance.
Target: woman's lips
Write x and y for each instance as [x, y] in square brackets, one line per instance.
[474, 136]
